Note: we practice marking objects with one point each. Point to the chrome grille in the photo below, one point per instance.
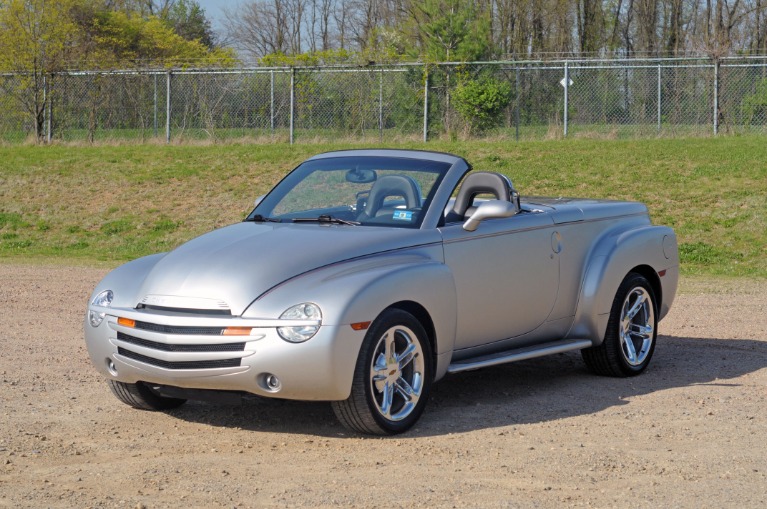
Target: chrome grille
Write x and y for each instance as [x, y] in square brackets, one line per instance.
[203, 364]
[166, 347]
[168, 329]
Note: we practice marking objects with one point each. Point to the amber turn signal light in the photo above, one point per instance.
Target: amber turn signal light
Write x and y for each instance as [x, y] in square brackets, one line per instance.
[360, 325]
[237, 331]
[126, 322]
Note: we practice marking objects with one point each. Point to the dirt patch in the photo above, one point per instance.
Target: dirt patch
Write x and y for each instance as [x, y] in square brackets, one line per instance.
[690, 432]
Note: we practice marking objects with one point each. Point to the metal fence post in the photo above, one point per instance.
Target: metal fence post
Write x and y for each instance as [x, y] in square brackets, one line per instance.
[567, 86]
[48, 108]
[659, 103]
[167, 107]
[519, 103]
[155, 105]
[271, 100]
[38, 134]
[292, 100]
[716, 96]
[380, 106]
[426, 105]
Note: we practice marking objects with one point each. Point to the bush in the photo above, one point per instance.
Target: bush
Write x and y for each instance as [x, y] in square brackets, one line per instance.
[481, 101]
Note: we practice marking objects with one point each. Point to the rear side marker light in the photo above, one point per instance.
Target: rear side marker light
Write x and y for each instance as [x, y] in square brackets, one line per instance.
[360, 325]
[126, 322]
[237, 331]
[662, 273]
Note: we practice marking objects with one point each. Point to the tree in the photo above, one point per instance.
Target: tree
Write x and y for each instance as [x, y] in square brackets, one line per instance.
[188, 20]
[449, 30]
[37, 38]
[260, 28]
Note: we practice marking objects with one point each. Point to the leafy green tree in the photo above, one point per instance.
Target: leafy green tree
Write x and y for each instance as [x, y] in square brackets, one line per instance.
[188, 20]
[37, 37]
[123, 40]
[449, 30]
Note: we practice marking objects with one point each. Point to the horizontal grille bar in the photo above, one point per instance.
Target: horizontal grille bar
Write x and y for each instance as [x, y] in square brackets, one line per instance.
[168, 329]
[165, 347]
[192, 312]
[223, 363]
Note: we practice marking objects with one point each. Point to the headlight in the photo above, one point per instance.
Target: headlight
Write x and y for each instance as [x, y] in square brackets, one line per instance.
[305, 311]
[104, 300]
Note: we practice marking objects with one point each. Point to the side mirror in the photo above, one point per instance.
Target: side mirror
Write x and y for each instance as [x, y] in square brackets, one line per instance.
[258, 200]
[492, 209]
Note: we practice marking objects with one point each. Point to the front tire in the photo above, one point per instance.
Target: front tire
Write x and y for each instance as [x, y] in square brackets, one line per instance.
[631, 331]
[392, 378]
[141, 396]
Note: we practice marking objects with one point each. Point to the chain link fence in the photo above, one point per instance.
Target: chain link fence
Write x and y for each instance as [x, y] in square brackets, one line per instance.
[514, 100]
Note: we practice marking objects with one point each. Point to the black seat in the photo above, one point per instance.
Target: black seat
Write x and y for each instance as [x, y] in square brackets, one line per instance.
[400, 186]
[481, 182]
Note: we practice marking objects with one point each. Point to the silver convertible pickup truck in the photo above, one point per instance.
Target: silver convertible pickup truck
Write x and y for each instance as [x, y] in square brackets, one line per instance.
[364, 276]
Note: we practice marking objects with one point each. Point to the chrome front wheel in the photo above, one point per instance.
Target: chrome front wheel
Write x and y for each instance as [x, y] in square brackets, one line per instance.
[397, 373]
[392, 377]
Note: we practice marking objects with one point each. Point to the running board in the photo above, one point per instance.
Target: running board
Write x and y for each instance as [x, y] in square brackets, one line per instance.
[519, 354]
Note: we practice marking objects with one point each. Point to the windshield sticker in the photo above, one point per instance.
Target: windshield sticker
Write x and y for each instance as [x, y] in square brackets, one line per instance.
[403, 215]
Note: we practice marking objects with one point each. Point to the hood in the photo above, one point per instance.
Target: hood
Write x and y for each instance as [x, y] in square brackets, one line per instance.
[232, 266]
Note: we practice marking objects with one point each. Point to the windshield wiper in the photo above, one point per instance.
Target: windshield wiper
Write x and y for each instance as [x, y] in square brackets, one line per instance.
[258, 218]
[325, 218]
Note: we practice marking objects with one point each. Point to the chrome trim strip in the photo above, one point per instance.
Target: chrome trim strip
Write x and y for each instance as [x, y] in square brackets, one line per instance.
[531, 228]
[184, 339]
[202, 321]
[519, 355]
[180, 302]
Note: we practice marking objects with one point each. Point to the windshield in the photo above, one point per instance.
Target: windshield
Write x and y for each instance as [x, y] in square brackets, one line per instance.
[369, 191]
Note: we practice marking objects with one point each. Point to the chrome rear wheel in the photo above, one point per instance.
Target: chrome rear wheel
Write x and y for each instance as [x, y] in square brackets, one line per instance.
[637, 326]
[631, 331]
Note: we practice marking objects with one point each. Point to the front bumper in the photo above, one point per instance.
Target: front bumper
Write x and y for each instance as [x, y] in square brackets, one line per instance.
[187, 352]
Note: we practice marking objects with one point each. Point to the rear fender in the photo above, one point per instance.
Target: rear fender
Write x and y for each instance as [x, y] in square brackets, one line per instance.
[612, 259]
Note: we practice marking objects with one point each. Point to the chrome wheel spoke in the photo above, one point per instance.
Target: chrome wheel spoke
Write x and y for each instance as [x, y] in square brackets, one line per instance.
[388, 398]
[379, 382]
[643, 331]
[407, 355]
[631, 313]
[405, 390]
[628, 348]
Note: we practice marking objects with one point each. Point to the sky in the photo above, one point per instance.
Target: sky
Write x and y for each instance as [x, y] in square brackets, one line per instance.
[214, 10]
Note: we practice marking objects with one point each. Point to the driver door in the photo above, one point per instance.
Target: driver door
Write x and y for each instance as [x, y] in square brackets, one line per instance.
[506, 275]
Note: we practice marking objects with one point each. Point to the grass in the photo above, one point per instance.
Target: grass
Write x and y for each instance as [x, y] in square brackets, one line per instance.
[114, 203]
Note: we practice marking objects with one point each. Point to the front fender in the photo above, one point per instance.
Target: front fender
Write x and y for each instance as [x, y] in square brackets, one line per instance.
[125, 280]
[358, 291]
[612, 259]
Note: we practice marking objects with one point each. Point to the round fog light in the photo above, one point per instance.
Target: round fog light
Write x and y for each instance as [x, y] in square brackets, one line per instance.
[272, 383]
[111, 367]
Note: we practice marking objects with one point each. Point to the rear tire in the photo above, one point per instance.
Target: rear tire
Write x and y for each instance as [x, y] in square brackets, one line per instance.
[631, 331]
[141, 396]
[392, 377]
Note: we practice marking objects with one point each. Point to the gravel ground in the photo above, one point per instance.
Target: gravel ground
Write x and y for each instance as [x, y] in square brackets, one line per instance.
[690, 432]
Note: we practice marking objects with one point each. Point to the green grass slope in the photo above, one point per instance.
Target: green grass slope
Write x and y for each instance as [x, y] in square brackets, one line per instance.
[114, 203]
